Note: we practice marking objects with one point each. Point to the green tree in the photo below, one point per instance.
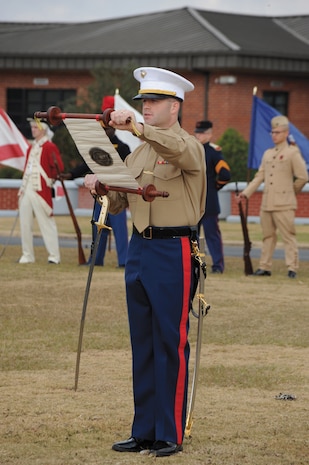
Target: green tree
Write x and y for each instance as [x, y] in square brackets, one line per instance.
[69, 153]
[7, 172]
[105, 82]
[235, 151]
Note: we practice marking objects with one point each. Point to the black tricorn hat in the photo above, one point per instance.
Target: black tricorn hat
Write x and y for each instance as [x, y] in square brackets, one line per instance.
[202, 126]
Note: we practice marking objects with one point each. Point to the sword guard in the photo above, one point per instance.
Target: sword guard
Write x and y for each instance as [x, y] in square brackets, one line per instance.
[104, 202]
[102, 226]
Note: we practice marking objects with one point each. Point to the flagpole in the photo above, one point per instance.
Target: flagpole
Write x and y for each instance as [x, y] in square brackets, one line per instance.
[254, 92]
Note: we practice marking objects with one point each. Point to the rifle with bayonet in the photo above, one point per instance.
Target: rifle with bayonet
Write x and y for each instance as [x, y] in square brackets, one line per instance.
[247, 242]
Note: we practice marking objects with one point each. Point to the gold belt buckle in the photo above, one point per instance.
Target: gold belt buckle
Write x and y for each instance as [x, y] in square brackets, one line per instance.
[149, 229]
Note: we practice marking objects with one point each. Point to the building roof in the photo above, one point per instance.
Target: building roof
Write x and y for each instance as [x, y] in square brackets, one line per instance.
[185, 38]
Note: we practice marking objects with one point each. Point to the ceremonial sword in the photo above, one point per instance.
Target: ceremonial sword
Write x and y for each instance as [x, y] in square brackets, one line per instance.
[103, 200]
[203, 308]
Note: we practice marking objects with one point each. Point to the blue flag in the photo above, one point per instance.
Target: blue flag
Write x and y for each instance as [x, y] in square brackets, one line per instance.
[260, 138]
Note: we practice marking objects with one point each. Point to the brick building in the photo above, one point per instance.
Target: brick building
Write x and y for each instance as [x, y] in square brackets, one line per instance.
[224, 55]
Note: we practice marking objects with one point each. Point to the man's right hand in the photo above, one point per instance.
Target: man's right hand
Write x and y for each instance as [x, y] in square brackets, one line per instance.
[89, 183]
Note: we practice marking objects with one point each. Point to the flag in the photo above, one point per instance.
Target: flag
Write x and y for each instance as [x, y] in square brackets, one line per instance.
[132, 141]
[260, 138]
[13, 145]
[99, 153]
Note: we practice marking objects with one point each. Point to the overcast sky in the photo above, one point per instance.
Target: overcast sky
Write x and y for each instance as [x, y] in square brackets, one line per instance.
[96, 10]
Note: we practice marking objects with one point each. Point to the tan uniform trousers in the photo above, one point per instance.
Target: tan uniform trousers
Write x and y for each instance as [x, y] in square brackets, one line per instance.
[31, 204]
[284, 222]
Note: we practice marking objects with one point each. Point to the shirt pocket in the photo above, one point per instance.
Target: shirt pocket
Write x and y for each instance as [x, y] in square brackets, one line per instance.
[136, 171]
[169, 178]
[283, 197]
[166, 172]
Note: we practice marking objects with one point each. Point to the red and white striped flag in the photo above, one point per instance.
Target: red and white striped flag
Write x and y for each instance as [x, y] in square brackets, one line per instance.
[13, 145]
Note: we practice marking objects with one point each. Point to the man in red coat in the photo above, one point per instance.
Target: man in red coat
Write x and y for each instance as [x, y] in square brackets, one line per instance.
[35, 195]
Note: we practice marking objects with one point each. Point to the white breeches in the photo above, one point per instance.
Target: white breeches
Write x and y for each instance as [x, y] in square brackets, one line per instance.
[31, 205]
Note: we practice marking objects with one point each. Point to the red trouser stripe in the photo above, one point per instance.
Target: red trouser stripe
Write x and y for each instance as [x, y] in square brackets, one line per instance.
[182, 374]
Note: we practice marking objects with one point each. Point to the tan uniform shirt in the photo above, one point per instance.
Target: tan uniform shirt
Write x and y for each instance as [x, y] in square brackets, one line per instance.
[173, 161]
[284, 173]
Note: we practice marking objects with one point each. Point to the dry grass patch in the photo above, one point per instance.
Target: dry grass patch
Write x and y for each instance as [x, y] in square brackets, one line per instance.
[255, 346]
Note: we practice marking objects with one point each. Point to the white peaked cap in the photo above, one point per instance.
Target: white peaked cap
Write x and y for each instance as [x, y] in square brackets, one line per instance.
[158, 83]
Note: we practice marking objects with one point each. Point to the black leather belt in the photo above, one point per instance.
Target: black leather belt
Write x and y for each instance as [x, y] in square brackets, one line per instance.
[154, 232]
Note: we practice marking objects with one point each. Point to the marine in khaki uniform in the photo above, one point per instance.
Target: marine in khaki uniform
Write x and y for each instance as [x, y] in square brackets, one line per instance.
[283, 171]
[158, 271]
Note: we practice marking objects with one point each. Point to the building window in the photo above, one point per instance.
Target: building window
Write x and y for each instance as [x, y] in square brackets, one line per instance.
[278, 100]
[23, 103]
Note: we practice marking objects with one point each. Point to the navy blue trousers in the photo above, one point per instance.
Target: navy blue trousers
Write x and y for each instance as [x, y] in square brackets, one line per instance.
[213, 240]
[118, 223]
[158, 281]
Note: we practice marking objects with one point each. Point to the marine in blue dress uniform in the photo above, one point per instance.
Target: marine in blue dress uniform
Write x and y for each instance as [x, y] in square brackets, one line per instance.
[218, 174]
[158, 271]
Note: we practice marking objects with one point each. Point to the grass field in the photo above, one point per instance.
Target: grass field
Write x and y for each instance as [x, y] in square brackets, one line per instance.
[255, 347]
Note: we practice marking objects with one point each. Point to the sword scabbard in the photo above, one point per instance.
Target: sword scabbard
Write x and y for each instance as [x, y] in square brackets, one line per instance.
[203, 308]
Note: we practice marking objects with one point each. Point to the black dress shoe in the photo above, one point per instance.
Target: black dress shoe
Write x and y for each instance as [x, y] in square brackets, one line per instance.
[132, 445]
[260, 272]
[291, 274]
[165, 448]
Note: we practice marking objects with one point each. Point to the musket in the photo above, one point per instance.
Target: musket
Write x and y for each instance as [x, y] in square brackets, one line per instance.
[203, 308]
[103, 200]
[247, 242]
[81, 255]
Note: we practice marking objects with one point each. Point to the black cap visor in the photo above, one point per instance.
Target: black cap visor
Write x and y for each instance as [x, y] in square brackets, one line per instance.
[154, 97]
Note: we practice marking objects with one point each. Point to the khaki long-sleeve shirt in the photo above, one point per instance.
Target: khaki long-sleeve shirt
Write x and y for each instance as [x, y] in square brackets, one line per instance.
[173, 161]
[284, 173]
